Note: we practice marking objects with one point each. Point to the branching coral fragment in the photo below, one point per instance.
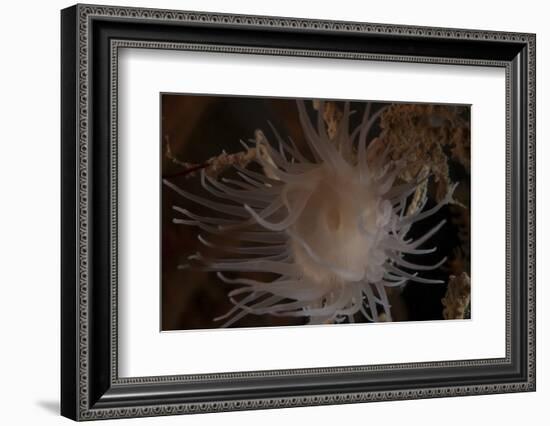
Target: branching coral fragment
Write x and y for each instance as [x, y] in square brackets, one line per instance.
[214, 165]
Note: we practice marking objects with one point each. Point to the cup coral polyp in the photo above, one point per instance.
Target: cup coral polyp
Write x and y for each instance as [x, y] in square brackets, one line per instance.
[332, 230]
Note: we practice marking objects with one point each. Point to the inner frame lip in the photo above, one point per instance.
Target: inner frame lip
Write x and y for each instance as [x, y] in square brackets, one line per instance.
[116, 44]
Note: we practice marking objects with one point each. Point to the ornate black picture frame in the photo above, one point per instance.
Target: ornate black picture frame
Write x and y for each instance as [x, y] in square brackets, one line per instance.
[91, 37]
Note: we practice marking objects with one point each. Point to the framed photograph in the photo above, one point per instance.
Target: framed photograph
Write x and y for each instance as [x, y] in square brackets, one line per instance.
[263, 212]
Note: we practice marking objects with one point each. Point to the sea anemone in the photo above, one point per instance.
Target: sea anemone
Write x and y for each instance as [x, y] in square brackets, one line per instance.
[329, 227]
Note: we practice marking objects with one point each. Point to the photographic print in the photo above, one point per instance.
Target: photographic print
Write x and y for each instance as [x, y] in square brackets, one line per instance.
[282, 212]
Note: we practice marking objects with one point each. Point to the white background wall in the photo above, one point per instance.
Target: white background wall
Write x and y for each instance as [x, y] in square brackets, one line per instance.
[29, 212]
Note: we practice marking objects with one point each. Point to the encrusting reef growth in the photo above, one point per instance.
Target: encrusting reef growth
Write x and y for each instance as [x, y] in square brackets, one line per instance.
[339, 227]
[457, 299]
